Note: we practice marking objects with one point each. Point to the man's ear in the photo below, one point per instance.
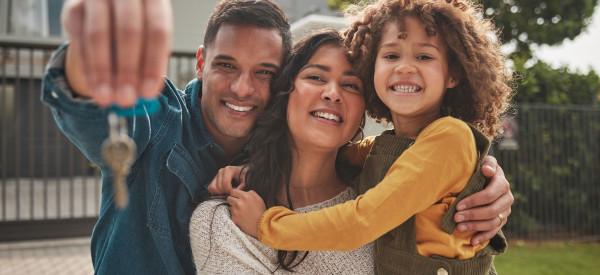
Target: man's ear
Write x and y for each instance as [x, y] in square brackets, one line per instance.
[451, 83]
[199, 61]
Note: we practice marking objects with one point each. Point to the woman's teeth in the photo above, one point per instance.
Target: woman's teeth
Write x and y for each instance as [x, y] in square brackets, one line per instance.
[327, 116]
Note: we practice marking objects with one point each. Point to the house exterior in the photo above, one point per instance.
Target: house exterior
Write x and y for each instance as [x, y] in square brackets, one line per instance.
[29, 19]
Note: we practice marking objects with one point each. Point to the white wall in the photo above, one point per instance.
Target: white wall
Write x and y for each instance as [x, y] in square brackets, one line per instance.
[190, 19]
[297, 9]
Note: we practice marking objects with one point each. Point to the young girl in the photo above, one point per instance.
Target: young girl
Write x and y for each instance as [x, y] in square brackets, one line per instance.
[439, 77]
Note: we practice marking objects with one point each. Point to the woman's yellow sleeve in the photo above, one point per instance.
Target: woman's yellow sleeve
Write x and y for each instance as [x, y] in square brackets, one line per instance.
[440, 162]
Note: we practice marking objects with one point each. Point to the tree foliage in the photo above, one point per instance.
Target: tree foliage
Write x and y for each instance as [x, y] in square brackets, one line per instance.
[547, 22]
[543, 84]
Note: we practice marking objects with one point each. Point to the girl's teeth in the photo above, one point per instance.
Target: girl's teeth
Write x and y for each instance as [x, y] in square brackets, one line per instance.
[238, 108]
[405, 89]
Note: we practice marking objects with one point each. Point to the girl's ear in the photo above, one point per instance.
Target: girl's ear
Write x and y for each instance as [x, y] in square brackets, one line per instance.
[451, 83]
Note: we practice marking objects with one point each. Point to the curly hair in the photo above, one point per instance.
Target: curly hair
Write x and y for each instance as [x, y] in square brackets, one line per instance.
[474, 57]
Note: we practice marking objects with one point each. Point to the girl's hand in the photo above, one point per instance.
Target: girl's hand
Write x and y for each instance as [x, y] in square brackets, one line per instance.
[224, 181]
[246, 210]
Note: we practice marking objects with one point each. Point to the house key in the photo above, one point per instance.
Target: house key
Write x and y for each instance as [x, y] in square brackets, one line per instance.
[118, 151]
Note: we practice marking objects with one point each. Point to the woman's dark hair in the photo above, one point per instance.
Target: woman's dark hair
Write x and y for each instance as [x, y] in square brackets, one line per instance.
[269, 148]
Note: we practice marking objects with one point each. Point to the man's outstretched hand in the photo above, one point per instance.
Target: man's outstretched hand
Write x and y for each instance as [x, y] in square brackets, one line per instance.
[119, 49]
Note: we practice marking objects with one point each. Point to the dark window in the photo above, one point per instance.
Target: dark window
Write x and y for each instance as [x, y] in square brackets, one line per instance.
[54, 8]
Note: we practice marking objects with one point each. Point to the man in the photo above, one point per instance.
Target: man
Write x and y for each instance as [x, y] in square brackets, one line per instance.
[118, 52]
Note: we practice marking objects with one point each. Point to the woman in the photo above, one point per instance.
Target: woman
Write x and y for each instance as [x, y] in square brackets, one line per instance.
[317, 109]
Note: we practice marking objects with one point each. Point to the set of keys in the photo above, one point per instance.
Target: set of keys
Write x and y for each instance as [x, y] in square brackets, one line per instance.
[118, 151]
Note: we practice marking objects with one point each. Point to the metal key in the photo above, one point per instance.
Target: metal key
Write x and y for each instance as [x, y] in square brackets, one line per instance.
[118, 150]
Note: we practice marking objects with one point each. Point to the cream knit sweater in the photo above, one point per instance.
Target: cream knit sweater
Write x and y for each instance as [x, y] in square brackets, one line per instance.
[220, 247]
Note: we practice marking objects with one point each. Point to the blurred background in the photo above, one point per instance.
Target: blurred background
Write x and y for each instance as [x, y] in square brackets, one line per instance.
[550, 151]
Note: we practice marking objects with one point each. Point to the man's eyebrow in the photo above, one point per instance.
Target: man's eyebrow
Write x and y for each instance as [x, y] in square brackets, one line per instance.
[230, 58]
[270, 65]
[224, 57]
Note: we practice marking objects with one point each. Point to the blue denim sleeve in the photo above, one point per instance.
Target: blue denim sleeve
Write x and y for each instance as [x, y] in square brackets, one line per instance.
[80, 120]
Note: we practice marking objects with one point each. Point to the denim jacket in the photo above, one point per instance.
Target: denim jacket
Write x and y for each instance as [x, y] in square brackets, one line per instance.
[176, 159]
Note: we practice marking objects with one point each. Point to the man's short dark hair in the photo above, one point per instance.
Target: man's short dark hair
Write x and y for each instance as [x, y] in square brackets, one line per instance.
[259, 13]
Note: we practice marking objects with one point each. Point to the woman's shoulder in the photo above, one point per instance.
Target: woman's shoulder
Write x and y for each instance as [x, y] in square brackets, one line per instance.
[208, 215]
[209, 205]
[219, 246]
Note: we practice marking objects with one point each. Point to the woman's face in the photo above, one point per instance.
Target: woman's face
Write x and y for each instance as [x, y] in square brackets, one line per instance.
[326, 106]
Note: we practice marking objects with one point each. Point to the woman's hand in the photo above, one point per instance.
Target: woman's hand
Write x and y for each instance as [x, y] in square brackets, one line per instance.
[223, 182]
[487, 210]
[246, 210]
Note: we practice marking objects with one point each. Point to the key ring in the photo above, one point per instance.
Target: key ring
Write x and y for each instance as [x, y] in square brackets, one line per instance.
[117, 125]
[142, 106]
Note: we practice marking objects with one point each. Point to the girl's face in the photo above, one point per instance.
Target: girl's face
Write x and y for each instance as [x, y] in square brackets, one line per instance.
[326, 106]
[411, 71]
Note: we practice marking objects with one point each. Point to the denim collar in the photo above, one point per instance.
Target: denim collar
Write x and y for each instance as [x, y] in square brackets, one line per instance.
[194, 90]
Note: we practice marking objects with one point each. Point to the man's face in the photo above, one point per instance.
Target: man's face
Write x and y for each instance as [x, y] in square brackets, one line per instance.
[236, 76]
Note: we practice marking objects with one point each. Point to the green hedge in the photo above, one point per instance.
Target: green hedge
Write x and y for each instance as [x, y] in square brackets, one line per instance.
[555, 173]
